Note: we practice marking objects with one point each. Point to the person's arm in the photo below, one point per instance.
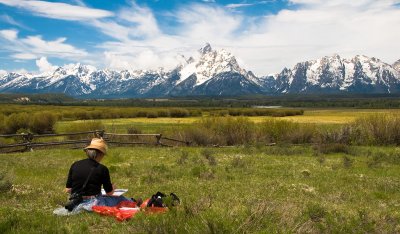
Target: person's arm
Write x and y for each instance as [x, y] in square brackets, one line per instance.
[108, 187]
[68, 186]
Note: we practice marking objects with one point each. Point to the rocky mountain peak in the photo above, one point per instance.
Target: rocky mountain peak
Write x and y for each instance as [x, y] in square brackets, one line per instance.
[206, 49]
[396, 65]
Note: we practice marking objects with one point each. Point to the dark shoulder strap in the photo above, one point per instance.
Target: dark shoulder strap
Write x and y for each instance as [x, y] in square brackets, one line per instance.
[87, 179]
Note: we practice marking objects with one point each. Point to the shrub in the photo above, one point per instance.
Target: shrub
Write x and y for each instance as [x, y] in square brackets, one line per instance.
[42, 122]
[333, 135]
[179, 113]
[229, 130]
[152, 114]
[133, 130]
[379, 129]
[200, 136]
[141, 113]
[84, 126]
[162, 113]
[2, 124]
[274, 130]
[14, 122]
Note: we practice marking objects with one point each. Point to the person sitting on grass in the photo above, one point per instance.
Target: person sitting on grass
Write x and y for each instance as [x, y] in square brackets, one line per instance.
[87, 176]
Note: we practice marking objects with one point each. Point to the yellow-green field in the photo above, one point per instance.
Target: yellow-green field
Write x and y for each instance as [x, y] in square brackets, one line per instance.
[160, 125]
[336, 116]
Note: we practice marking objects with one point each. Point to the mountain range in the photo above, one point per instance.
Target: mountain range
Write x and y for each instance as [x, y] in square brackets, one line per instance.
[212, 73]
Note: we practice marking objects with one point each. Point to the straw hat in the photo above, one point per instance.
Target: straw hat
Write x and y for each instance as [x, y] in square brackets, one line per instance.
[99, 144]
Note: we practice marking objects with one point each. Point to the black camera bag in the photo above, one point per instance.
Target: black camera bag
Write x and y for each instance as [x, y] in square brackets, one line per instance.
[76, 197]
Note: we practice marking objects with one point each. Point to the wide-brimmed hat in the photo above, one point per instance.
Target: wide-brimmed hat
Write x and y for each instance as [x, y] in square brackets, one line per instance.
[99, 144]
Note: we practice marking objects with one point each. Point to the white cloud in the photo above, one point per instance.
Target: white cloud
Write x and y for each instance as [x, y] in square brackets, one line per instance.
[134, 22]
[58, 10]
[33, 47]
[44, 65]
[266, 44]
[24, 56]
[238, 5]
[9, 35]
[3, 73]
[10, 20]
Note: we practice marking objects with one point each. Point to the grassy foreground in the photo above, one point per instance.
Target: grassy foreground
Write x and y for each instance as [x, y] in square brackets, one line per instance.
[282, 189]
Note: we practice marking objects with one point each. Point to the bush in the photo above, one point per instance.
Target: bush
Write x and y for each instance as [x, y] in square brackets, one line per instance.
[379, 129]
[232, 131]
[14, 122]
[42, 122]
[162, 113]
[152, 115]
[200, 136]
[2, 124]
[274, 130]
[179, 113]
[84, 126]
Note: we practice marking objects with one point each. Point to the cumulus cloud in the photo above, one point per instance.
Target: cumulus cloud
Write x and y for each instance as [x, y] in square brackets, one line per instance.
[58, 10]
[313, 29]
[44, 65]
[266, 44]
[9, 35]
[33, 47]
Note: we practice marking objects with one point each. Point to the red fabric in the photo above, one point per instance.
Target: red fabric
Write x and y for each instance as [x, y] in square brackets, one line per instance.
[116, 211]
[122, 214]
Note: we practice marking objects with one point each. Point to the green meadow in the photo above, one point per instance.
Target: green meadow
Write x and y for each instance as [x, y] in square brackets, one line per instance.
[279, 189]
[331, 171]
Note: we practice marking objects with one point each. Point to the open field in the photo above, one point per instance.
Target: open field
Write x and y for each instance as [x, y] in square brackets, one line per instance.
[227, 190]
[166, 125]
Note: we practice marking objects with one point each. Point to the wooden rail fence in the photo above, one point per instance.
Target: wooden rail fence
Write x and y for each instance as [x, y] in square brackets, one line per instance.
[28, 140]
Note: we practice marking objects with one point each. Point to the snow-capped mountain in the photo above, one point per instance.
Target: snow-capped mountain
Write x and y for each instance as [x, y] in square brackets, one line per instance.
[333, 74]
[214, 73]
[396, 65]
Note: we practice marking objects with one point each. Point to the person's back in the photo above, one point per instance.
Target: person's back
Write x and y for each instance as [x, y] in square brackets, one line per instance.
[79, 172]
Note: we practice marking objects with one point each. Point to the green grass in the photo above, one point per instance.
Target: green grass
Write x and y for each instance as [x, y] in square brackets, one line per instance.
[326, 117]
[223, 190]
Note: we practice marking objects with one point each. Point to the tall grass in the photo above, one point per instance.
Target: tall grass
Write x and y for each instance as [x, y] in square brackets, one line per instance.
[221, 131]
[382, 129]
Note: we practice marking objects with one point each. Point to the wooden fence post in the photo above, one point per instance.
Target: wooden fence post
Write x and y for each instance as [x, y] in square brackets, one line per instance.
[158, 139]
[27, 138]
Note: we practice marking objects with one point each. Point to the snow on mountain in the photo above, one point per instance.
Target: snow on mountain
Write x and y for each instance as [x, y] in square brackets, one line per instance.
[396, 65]
[208, 63]
[212, 72]
[335, 74]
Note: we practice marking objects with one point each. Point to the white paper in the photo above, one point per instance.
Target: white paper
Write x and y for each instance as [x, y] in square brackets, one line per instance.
[117, 192]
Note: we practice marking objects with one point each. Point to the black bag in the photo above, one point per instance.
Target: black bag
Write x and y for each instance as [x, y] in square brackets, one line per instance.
[76, 197]
[161, 200]
[74, 200]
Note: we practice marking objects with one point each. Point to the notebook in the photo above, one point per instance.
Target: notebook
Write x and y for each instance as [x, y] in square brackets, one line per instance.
[117, 192]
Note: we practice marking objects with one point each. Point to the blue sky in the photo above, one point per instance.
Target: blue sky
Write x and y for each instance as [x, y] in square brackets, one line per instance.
[265, 36]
